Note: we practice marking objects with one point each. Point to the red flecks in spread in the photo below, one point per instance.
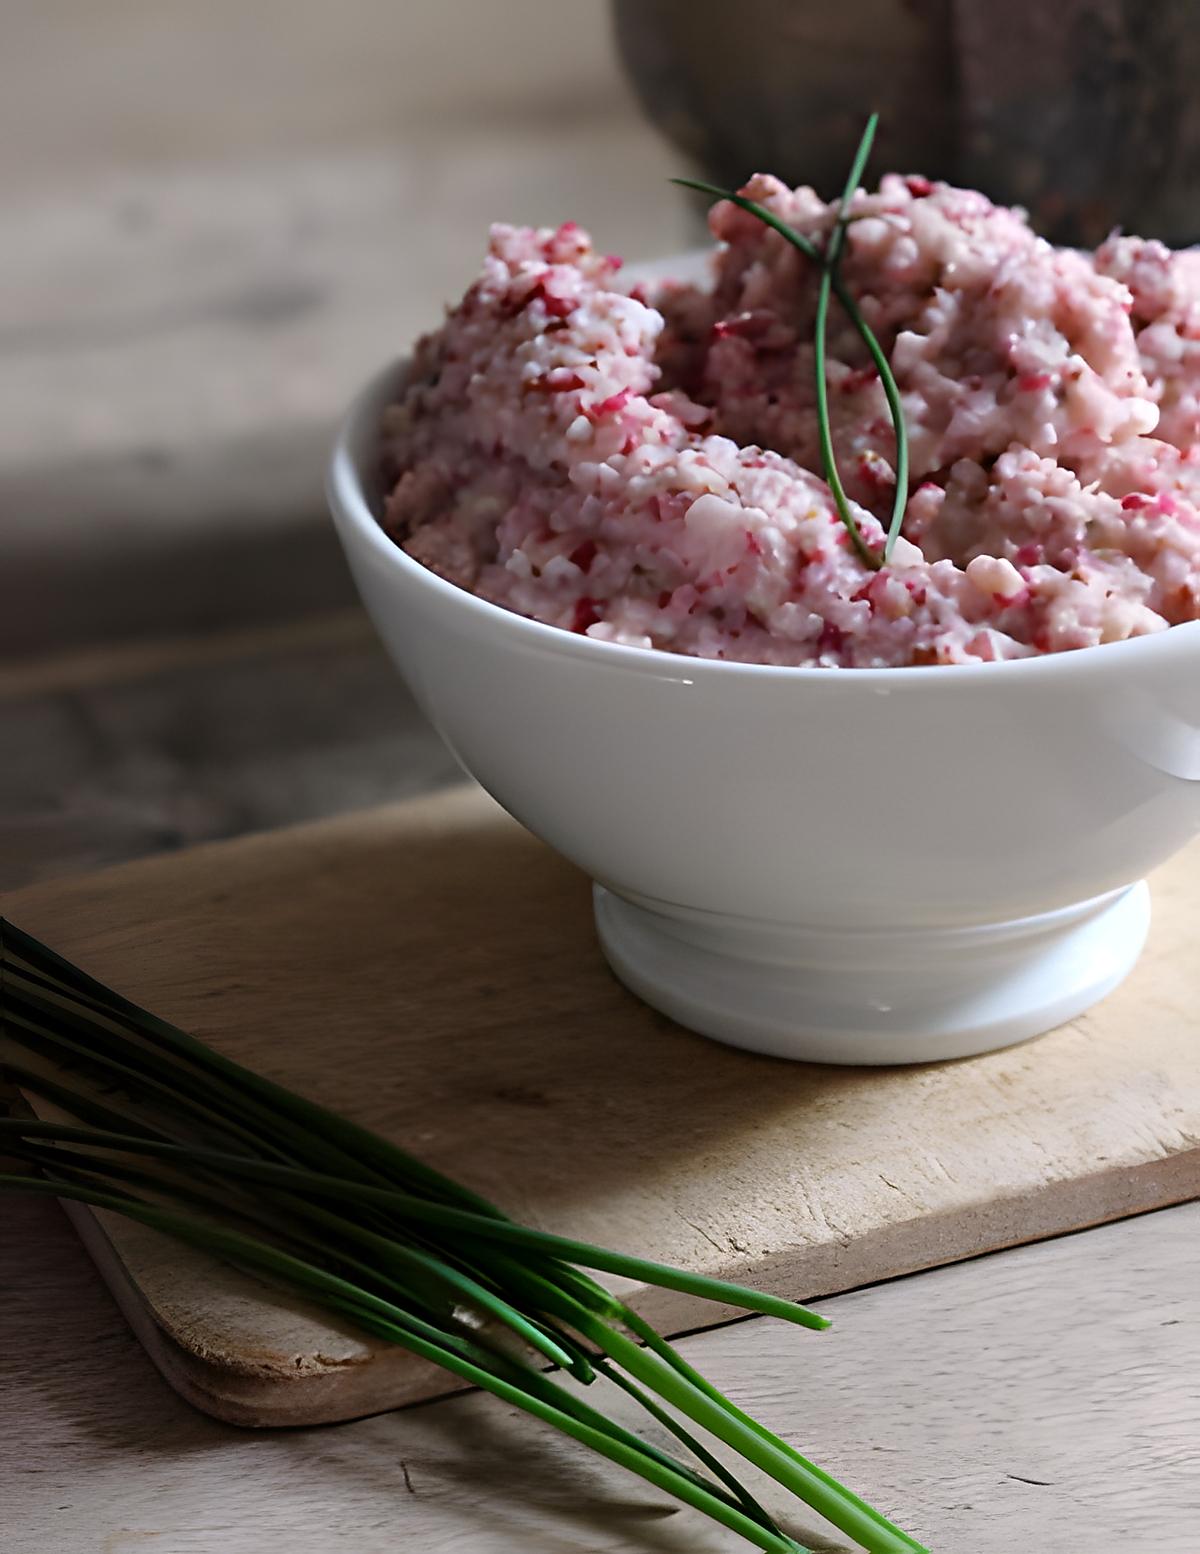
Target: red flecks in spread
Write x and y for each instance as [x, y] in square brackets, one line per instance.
[752, 324]
[832, 638]
[874, 590]
[583, 555]
[566, 244]
[555, 306]
[853, 381]
[560, 381]
[610, 406]
[982, 646]
[875, 472]
[1031, 396]
[586, 614]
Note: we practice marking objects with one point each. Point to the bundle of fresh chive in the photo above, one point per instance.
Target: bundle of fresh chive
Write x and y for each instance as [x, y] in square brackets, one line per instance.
[828, 261]
[170, 1133]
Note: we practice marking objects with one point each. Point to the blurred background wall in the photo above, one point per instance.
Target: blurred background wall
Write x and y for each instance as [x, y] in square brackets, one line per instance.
[217, 219]
[116, 84]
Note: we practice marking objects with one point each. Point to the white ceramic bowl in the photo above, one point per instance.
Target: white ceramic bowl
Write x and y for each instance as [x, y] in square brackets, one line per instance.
[848, 866]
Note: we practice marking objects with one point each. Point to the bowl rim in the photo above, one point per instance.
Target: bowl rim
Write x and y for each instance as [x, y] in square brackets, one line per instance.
[346, 489]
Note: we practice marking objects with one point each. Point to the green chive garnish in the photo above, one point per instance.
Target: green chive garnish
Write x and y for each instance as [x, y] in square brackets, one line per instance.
[831, 282]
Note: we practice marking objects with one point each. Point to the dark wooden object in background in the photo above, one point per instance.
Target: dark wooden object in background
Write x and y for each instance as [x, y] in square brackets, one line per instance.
[783, 86]
[1084, 111]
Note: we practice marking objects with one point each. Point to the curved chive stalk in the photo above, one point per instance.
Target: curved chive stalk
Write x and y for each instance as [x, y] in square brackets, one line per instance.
[833, 251]
[831, 282]
[278, 1185]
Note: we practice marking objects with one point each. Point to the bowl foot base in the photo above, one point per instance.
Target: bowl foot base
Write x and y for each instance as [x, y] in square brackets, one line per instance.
[878, 996]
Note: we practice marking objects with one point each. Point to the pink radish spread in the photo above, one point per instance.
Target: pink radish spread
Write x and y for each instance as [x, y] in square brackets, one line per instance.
[641, 464]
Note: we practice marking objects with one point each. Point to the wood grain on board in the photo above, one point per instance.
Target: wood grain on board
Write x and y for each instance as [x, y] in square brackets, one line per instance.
[430, 970]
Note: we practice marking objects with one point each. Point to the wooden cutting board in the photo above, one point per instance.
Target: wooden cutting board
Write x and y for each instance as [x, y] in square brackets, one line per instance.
[430, 970]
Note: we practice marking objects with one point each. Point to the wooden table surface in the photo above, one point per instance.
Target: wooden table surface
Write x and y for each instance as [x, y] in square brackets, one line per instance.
[1044, 1399]
[212, 242]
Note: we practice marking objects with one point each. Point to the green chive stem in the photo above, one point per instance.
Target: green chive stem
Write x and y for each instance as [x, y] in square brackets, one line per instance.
[382, 1240]
[710, 1409]
[357, 1143]
[654, 1341]
[480, 1227]
[831, 281]
[403, 1331]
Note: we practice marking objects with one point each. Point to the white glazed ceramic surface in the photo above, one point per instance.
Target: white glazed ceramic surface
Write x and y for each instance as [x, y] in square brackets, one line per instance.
[851, 866]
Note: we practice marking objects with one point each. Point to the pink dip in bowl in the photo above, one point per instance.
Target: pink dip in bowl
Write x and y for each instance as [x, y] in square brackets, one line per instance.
[641, 465]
